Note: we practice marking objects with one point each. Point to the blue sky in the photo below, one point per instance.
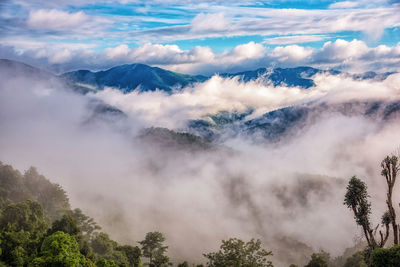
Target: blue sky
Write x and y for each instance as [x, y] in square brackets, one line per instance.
[201, 36]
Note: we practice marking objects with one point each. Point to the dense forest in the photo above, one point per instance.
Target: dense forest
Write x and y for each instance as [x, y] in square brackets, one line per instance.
[39, 228]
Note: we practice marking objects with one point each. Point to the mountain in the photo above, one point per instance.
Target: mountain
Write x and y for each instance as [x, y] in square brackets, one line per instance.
[129, 77]
[289, 121]
[299, 76]
[14, 68]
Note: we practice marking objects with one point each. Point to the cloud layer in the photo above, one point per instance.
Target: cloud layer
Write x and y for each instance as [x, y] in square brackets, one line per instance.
[276, 192]
[353, 56]
[186, 33]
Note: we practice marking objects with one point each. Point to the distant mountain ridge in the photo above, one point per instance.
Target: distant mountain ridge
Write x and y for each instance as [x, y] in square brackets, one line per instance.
[142, 77]
[129, 77]
[298, 76]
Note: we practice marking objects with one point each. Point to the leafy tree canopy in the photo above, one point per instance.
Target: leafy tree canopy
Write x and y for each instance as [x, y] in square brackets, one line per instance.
[61, 249]
[236, 253]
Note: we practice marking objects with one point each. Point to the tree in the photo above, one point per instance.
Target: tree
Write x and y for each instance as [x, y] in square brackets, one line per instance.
[356, 199]
[183, 264]
[66, 224]
[69, 225]
[22, 226]
[318, 260]
[153, 248]
[52, 197]
[61, 249]
[387, 257]
[132, 253]
[390, 168]
[236, 253]
[102, 244]
[87, 225]
[105, 263]
[106, 248]
[356, 260]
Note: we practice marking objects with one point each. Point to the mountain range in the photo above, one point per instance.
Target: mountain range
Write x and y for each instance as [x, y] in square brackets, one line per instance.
[135, 76]
[270, 126]
[146, 78]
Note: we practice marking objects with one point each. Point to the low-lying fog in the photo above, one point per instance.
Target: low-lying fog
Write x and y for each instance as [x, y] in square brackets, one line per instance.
[289, 194]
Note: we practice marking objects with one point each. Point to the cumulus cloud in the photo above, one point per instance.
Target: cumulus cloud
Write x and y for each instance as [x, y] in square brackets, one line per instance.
[353, 56]
[291, 53]
[342, 50]
[55, 19]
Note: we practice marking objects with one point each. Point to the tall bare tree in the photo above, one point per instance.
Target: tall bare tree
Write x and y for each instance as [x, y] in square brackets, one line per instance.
[390, 167]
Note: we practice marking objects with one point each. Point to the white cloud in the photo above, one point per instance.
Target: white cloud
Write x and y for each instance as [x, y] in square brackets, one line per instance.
[230, 94]
[210, 22]
[344, 4]
[342, 50]
[250, 50]
[61, 56]
[295, 39]
[291, 53]
[55, 19]
[354, 56]
[268, 21]
[119, 52]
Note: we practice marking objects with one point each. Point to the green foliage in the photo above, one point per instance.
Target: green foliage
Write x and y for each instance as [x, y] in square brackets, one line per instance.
[133, 254]
[387, 257]
[105, 248]
[356, 260]
[105, 263]
[22, 226]
[318, 260]
[118, 257]
[236, 253]
[66, 224]
[52, 197]
[15, 187]
[11, 185]
[69, 225]
[356, 198]
[386, 219]
[61, 249]
[87, 225]
[389, 166]
[153, 248]
[183, 264]
[102, 244]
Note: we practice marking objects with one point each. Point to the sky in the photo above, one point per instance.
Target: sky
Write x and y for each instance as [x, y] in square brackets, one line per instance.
[202, 37]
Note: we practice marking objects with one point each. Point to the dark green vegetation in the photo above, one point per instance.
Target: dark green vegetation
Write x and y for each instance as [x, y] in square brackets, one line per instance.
[168, 139]
[374, 254]
[38, 228]
[235, 252]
